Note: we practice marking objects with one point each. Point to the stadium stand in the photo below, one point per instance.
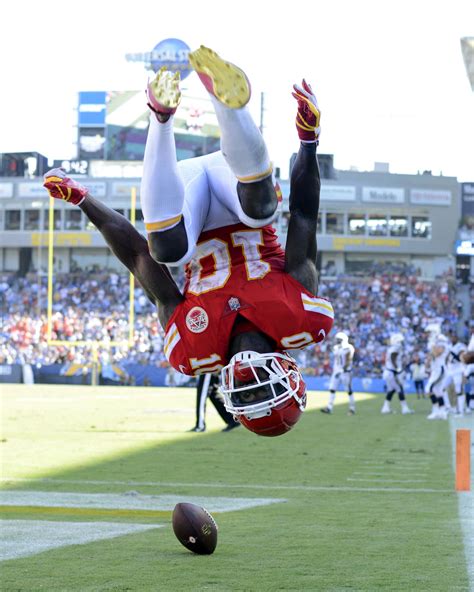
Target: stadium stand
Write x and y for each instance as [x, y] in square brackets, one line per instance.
[94, 307]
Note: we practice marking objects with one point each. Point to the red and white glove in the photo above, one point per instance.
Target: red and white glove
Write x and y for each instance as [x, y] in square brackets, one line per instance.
[308, 116]
[62, 187]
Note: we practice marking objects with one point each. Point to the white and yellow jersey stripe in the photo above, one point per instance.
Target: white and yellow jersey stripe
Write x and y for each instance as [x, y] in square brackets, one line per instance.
[315, 304]
[172, 338]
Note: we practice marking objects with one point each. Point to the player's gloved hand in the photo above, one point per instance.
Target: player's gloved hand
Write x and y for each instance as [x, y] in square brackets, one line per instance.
[308, 116]
[60, 186]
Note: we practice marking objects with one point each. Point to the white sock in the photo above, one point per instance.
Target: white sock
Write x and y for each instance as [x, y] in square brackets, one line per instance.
[162, 189]
[404, 405]
[447, 402]
[460, 404]
[351, 401]
[332, 397]
[386, 405]
[242, 144]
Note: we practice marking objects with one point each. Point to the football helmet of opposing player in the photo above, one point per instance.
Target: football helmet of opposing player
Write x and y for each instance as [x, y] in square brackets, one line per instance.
[396, 339]
[265, 392]
[341, 338]
[433, 329]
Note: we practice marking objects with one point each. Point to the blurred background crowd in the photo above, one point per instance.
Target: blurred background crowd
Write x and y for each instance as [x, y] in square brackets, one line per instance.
[95, 307]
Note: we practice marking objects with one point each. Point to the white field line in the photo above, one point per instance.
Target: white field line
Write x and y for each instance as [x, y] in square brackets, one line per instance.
[389, 456]
[131, 500]
[391, 468]
[22, 538]
[388, 480]
[384, 474]
[408, 463]
[301, 488]
[465, 502]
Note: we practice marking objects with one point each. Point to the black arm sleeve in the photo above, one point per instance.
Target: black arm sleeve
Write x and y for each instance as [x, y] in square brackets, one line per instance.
[301, 243]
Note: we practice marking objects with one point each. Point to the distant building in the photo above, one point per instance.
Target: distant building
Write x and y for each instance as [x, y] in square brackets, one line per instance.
[365, 218]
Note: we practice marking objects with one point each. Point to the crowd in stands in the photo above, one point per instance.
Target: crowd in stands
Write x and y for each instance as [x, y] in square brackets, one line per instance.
[88, 307]
[370, 309]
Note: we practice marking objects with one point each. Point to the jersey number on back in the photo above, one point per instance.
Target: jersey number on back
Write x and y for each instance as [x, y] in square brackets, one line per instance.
[248, 240]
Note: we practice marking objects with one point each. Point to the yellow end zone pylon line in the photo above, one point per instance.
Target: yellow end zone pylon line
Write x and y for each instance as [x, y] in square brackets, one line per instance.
[131, 316]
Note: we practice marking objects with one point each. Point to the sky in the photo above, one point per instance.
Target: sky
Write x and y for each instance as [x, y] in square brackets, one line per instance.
[389, 75]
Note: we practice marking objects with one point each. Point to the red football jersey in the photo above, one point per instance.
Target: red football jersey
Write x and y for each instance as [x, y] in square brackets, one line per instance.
[239, 272]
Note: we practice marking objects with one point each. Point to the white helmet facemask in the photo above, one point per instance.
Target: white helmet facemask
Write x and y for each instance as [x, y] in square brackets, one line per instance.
[253, 383]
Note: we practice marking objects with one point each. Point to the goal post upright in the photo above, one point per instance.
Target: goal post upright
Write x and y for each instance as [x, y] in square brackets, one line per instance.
[131, 313]
[50, 268]
[87, 343]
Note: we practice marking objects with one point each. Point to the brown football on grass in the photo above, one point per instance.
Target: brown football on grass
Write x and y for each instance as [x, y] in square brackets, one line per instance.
[195, 528]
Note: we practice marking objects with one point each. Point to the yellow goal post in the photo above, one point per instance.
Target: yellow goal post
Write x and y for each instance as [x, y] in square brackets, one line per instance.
[95, 345]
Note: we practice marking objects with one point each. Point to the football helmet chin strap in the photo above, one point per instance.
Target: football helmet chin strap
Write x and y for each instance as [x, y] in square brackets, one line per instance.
[265, 392]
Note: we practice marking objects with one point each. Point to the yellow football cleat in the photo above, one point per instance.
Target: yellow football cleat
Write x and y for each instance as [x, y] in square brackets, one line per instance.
[163, 92]
[224, 80]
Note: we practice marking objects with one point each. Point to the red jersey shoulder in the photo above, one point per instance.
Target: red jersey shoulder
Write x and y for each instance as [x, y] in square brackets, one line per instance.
[289, 313]
[197, 338]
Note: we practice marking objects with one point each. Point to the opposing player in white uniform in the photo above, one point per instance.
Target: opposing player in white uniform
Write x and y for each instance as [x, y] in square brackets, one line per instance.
[342, 372]
[455, 373]
[438, 347]
[393, 375]
[469, 376]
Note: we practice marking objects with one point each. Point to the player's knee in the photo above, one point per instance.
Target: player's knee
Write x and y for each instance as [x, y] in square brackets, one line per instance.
[169, 246]
[258, 200]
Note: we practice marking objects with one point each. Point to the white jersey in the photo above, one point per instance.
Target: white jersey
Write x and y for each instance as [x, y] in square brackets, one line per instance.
[340, 354]
[438, 364]
[418, 370]
[470, 346]
[469, 368]
[454, 357]
[395, 352]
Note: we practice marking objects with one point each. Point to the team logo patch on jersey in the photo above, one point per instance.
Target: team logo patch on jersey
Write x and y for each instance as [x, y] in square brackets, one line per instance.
[234, 303]
[197, 320]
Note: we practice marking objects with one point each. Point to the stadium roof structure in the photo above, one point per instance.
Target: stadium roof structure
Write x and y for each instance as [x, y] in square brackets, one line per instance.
[467, 48]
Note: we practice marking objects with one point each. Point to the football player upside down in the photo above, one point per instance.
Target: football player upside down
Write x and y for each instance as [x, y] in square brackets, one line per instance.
[246, 301]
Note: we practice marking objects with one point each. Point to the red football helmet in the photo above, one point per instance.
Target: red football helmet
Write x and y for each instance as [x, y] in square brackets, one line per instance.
[265, 392]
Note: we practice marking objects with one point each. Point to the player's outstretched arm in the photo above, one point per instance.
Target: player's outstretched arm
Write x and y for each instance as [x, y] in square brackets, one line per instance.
[127, 244]
[305, 184]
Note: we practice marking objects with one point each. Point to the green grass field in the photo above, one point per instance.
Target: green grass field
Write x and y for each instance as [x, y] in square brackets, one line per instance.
[369, 500]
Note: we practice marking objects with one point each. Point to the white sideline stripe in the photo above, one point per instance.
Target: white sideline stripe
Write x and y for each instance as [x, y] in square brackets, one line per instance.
[21, 538]
[413, 465]
[390, 468]
[465, 501]
[382, 474]
[127, 501]
[397, 458]
[343, 488]
[389, 456]
[389, 480]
